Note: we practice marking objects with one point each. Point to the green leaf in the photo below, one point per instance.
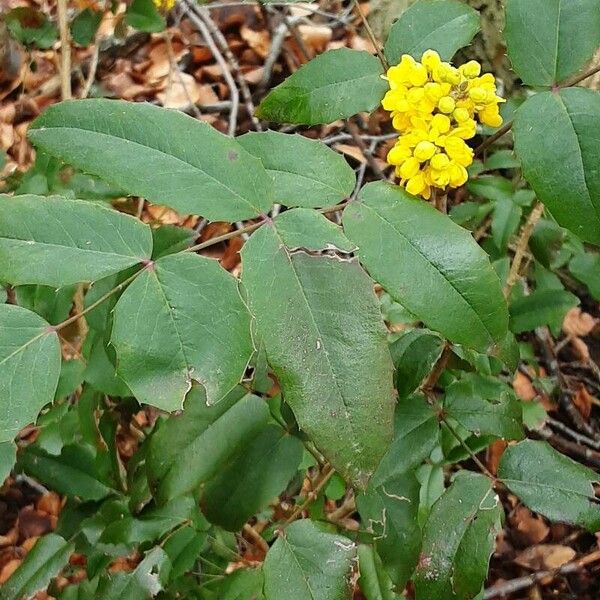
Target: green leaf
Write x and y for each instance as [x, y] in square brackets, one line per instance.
[146, 581]
[71, 377]
[549, 40]
[100, 371]
[73, 473]
[57, 241]
[506, 219]
[502, 159]
[305, 172]
[550, 483]
[31, 26]
[43, 562]
[242, 584]
[29, 368]
[8, 456]
[335, 85]
[586, 268]
[183, 548]
[414, 355]
[306, 228]
[182, 320]
[390, 512]
[305, 563]
[491, 187]
[541, 307]
[333, 366]
[440, 274]
[416, 435]
[144, 16]
[160, 154]
[53, 305]
[485, 406]
[191, 448]
[458, 539]
[169, 239]
[441, 25]
[566, 180]
[374, 582]
[248, 483]
[85, 25]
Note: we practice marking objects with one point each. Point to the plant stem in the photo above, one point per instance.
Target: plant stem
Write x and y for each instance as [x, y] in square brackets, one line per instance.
[65, 50]
[324, 476]
[371, 34]
[526, 231]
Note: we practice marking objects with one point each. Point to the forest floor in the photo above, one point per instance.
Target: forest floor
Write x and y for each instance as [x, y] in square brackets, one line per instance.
[216, 63]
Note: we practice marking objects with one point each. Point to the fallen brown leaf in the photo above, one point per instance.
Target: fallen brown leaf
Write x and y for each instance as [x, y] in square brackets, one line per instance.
[528, 529]
[545, 556]
[583, 401]
[523, 387]
[578, 323]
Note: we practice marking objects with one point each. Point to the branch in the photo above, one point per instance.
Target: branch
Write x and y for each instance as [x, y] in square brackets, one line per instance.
[371, 34]
[324, 476]
[65, 51]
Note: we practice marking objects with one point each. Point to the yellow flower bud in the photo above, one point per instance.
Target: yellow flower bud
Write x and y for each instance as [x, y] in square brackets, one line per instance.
[490, 116]
[461, 115]
[424, 151]
[471, 69]
[440, 161]
[441, 123]
[433, 91]
[458, 175]
[416, 184]
[398, 154]
[446, 104]
[415, 95]
[431, 59]
[409, 168]
[418, 75]
[478, 95]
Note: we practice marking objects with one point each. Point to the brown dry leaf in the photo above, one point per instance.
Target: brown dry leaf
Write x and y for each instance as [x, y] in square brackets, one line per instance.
[254, 76]
[231, 256]
[259, 41]
[315, 37]
[580, 349]
[29, 543]
[523, 387]
[50, 503]
[494, 454]
[578, 323]
[206, 95]
[181, 93]
[545, 556]
[8, 569]
[583, 400]
[352, 151]
[33, 523]
[10, 538]
[528, 528]
[122, 85]
[161, 214]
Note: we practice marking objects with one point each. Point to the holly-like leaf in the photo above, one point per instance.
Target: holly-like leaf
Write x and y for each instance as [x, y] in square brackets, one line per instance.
[160, 154]
[567, 179]
[485, 406]
[305, 172]
[58, 241]
[29, 368]
[549, 40]
[389, 511]
[458, 539]
[440, 274]
[191, 448]
[248, 483]
[441, 25]
[333, 364]
[550, 483]
[335, 85]
[305, 563]
[182, 320]
[43, 562]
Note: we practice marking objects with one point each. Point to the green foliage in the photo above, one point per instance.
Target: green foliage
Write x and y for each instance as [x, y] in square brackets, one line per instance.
[441, 25]
[353, 363]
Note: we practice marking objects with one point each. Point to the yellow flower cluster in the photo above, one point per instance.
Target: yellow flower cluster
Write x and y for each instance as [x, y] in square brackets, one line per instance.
[435, 108]
[164, 5]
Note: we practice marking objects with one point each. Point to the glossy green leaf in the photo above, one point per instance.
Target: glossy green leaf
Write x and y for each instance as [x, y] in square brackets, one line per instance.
[305, 172]
[191, 448]
[85, 25]
[541, 307]
[58, 241]
[308, 229]
[75, 472]
[243, 584]
[414, 355]
[550, 483]
[305, 563]
[389, 511]
[566, 180]
[8, 456]
[182, 320]
[502, 159]
[374, 582]
[29, 368]
[586, 268]
[505, 222]
[248, 483]
[334, 85]
[484, 406]
[439, 274]
[333, 365]
[183, 548]
[169, 239]
[160, 154]
[43, 562]
[441, 25]
[458, 539]
[549, 40]
[415, 436]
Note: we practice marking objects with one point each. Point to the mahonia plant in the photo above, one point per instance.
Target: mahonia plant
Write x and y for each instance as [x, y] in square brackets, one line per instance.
[376, 415]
